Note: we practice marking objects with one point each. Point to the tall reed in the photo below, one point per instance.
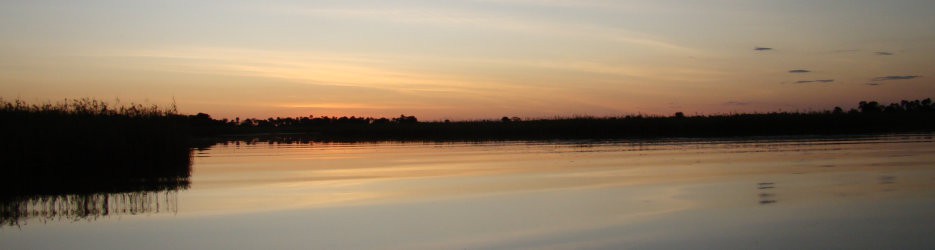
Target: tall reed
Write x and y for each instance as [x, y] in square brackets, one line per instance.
[88, 146]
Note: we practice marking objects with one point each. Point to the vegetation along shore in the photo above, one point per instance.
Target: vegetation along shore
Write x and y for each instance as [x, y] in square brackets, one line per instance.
[66, 154]
[87, 146]
[867, 117]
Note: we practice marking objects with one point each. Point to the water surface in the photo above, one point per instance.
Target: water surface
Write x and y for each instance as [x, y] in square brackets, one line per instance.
[796, 192]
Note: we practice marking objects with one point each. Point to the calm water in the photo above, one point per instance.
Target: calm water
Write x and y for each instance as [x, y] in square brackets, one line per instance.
[867, 192]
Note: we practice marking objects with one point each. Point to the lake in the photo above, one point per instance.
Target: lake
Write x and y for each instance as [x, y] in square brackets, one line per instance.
[873, 192]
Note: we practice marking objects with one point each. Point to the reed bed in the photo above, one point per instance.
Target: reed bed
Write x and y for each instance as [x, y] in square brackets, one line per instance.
[86, 146]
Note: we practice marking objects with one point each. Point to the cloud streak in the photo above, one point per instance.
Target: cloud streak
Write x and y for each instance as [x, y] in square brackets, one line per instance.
[467, 18]
[893, 78]
[736, 103]
[800, 71]
[816, 81]
[762, 48]
[877, 81]
[331, 69]
[883, 53]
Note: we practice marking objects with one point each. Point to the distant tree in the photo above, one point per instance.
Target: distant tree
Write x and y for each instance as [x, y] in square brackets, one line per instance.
[893, 108]
[406, 119]
[202, 120]
[909, 105]
[838, 111]
[869, 107]
[381, 120]
[917, 105]
[679, 115]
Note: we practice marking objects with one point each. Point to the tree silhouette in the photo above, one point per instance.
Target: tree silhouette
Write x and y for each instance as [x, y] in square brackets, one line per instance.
[403, 119]
[869, 107]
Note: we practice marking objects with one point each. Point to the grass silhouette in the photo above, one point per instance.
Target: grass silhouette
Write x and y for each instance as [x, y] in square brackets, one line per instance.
[86, 146]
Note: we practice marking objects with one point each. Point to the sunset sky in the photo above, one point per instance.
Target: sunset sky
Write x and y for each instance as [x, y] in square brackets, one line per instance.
[476, 59]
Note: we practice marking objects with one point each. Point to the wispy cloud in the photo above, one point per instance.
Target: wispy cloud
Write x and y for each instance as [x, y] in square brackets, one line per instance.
[762, 48]
[401, 73]
[357, 106]
[332, 69]
[632, 71]
[616, 6]
[816, 81]
[844, 51]
[877, 81]
[894, 78]
[484, 20]
[799, 71]
[556, 3]
[736, 103]
[883, 53]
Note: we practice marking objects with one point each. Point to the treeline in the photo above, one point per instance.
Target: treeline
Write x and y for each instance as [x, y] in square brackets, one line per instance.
[203, 124]
[902, 106]
[145, 132]
[867, 117]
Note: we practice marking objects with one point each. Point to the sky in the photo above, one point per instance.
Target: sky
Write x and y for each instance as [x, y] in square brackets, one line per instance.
[473, 59]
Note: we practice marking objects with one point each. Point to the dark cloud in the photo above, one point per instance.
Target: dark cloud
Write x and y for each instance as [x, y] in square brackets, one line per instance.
[874, 84]
[799, 71]
[894, 78]
[736, 103]
[883, 53]
[816, 81]
[762, 48]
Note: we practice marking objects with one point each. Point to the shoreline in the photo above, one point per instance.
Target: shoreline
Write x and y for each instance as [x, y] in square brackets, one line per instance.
[787, 124]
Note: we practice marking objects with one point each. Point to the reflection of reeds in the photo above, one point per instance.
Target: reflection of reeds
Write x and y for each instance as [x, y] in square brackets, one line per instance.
[74, 207]
[73, 154]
